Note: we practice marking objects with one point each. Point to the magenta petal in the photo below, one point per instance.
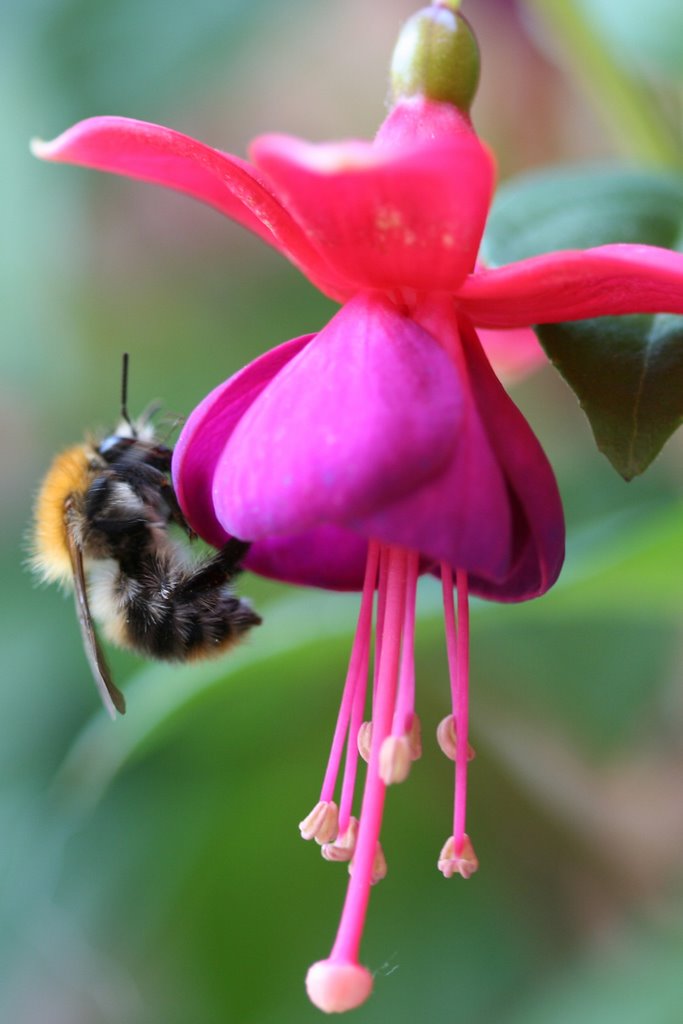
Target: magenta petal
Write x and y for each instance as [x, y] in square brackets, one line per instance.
[538, 521]
[159, 155]
[207, 431]
[366, 413]
[401, 212]
[326, 556]
[463, 515]
[576, 285]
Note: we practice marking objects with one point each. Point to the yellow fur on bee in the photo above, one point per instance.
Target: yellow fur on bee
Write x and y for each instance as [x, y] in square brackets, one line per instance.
[68, 474]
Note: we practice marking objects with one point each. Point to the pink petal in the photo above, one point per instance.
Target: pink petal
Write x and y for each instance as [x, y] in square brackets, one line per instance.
[372, 428]
[538, 535]
[463, 515]
[207, 431]
[368, 412]
[155, 154]
[576, 285]
[405, 211]
[326, 556]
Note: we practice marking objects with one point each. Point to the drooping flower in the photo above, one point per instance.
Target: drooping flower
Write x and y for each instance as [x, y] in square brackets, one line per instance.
[384, 446]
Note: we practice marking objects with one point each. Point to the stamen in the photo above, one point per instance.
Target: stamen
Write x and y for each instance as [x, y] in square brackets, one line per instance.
[462, 714]
[457, 646]
[463, 863]
[358, 706]
[405, 700]
[322, 823]
[340, 983]
[403, 746]
[318, 824]
[342, 849]
[357, 709]
[447, 738]
[415, 739]
[379, 866]
[385, 552]
[394, 760]
[364, 741]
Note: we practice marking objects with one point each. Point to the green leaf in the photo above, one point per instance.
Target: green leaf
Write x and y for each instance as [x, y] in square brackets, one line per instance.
[631, 389]
[627, 372]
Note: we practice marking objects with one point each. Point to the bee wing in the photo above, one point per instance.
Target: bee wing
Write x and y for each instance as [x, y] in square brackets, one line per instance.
[112, 698]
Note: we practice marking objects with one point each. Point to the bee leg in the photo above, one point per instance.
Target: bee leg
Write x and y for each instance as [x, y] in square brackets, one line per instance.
[232, 554]
[216, 571]
[177, 517]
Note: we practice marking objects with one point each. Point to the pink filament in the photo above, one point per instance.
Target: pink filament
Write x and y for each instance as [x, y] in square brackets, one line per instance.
[451, 630]
[461, 713]
[348, 938]
[457, 647]
[352, 753]
[405, 701]
[356, 680]
[385, 552]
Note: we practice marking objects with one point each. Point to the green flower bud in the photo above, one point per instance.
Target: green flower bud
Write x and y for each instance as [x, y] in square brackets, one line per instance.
[436, 56]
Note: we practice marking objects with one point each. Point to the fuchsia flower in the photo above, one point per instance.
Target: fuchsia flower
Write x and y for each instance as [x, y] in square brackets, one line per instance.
[384, 446]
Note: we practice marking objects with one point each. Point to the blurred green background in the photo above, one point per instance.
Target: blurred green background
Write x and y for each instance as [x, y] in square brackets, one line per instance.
[151, 870]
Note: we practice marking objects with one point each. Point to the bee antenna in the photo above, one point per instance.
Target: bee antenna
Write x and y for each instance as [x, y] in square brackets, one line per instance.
[124, 394]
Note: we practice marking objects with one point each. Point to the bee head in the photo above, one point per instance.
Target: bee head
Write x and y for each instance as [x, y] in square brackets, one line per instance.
[129, 434]
[114, 446]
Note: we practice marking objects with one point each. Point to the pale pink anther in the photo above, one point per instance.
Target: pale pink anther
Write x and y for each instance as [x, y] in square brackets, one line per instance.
[415, 738]
[403, 746]
[379, 866]
[343, 847]
[395, 760]
[447, 738]
[398, 753]
[322, 822]
[458, 862]
[364, 740]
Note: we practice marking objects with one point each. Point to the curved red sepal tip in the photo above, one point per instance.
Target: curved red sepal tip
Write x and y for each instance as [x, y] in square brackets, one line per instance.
[162, 156]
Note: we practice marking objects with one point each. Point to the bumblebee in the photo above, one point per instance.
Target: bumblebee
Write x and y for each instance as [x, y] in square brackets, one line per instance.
[102, 527]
